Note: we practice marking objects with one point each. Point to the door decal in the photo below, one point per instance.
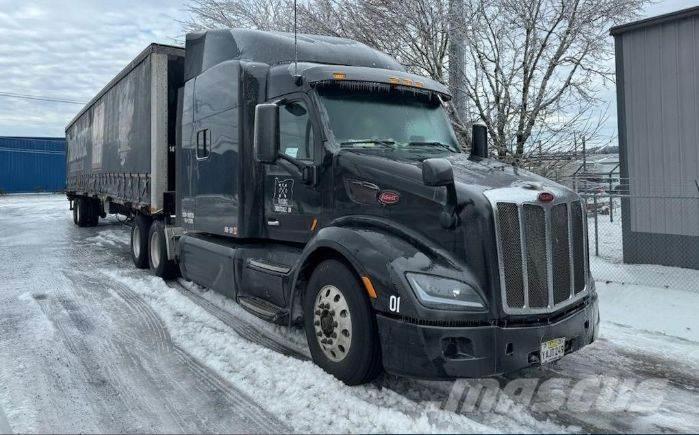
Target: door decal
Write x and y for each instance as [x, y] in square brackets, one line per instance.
[283, 195]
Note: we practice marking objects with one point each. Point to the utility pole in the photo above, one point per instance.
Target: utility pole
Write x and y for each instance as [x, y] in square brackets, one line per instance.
[456, 56]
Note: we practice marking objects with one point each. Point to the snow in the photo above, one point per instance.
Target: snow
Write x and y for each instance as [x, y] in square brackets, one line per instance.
[309, 399]
[59, 282]
[670, 312]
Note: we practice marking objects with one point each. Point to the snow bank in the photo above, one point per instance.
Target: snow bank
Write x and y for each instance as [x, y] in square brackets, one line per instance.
[300, 393]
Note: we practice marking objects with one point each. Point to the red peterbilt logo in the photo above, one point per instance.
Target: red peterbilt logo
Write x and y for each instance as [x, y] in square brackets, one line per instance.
[389, 197]
[546, 197]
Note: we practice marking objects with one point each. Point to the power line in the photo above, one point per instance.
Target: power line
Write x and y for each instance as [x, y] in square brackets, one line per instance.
[39, 98]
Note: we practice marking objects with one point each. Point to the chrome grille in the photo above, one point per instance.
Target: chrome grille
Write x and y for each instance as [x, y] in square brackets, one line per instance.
[512, 253]
[541, 250]
[537, 255]
[560, 250]
[578, 247]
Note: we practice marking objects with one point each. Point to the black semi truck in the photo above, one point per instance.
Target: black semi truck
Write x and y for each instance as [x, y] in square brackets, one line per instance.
[320, 184]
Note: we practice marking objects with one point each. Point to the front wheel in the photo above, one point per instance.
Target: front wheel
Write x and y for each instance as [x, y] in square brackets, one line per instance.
[340, 324]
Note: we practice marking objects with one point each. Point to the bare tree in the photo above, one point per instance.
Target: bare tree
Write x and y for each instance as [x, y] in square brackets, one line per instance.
[251, 14]
[531, 70]
[535, 68]
[415, 32]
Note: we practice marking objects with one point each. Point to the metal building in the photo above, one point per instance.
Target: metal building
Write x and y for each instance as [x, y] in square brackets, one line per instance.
[657, 79]
[32, 164]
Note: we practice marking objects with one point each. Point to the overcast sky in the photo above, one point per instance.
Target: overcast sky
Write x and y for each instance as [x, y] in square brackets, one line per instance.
[70, 49]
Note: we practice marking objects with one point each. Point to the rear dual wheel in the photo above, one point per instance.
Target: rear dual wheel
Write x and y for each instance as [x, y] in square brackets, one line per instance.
[149, 249]
[157, 253]
[139, 241]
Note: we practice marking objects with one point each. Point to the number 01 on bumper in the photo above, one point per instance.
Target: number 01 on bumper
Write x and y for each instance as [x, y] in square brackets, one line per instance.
[552, 350]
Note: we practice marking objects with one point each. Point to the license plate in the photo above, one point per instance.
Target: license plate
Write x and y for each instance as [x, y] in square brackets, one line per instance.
[552, 350]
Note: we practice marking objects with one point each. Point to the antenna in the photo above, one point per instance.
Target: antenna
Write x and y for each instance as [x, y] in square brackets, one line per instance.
[296, 52]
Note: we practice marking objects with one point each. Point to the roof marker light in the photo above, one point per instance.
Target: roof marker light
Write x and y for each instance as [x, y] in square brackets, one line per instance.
[339, 76]
[394, 80]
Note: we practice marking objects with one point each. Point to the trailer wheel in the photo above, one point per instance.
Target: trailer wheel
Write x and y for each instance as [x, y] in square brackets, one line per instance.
[75, 211]
[93, 205]
[340, 325]
[157, 253]
[139, 241]
[81, 212]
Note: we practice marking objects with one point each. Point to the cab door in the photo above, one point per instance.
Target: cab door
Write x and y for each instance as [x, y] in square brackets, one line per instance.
[291, 205]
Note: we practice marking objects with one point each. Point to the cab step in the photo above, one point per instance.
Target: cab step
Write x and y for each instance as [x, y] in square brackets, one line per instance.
[264, 310]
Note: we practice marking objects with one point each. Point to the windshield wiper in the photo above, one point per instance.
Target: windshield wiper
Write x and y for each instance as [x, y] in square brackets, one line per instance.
[384, 142]
[439, 144]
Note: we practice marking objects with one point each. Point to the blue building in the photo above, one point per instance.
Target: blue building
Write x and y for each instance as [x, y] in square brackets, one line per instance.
[32, 164]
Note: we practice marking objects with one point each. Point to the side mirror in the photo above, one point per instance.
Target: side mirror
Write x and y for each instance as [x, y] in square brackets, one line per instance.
[437, 172]
[266, 140]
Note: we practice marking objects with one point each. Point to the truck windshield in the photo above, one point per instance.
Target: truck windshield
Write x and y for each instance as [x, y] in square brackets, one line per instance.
[387, 121]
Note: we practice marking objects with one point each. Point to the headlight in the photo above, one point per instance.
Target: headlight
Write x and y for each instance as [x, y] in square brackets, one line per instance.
[437, 292]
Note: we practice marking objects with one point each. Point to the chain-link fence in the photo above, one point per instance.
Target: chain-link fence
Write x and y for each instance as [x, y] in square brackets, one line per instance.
[640, 239]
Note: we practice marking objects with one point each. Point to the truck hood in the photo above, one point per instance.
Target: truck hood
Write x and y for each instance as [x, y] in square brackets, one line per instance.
[471, 175]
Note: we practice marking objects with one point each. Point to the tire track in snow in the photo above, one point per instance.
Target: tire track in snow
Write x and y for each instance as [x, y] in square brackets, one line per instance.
[242, 405]
[245, 329]
[247, 408]
[95, 378]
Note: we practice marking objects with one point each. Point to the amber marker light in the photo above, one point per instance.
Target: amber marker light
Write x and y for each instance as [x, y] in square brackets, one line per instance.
[369, 287]
[339, 76]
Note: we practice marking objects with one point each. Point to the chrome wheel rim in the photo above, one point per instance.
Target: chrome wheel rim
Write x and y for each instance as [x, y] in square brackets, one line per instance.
[332, 322]
[154, 251]
[136, 241]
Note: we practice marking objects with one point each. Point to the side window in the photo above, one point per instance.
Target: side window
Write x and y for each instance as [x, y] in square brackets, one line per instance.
[295, 131]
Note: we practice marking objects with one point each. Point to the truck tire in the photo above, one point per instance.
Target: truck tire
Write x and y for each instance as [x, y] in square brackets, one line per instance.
[81, 212]
[157, 253]
[340, 324]
[139, 241]
[93, 206]
[75, 211]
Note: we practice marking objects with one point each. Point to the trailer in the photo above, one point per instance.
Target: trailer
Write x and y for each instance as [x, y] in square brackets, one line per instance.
[121, 145]
[318, 184]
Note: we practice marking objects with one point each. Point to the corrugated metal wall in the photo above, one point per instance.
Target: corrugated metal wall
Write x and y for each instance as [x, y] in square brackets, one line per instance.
[661, 90]
[657, 62]
[32, 164]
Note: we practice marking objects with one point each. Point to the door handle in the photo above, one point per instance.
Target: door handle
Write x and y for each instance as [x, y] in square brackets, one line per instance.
[273, 222]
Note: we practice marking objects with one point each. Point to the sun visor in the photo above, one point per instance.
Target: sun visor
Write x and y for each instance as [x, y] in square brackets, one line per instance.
[360, 76]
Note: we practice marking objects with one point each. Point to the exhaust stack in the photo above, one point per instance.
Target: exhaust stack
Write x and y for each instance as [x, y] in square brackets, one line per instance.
[479, 140]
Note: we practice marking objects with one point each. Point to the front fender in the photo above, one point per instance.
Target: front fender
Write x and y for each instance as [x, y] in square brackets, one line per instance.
[383, 252]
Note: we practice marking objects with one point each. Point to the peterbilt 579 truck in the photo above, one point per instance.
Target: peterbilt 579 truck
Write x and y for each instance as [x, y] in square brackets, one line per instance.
[320, 184]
